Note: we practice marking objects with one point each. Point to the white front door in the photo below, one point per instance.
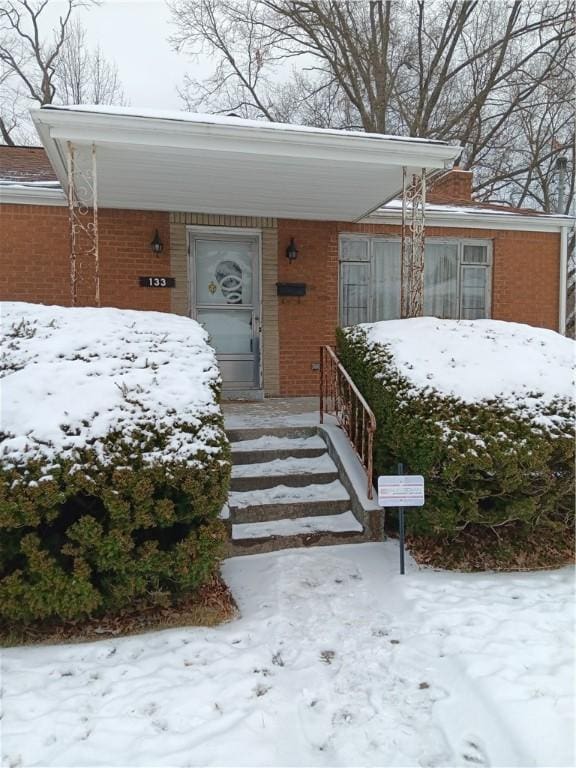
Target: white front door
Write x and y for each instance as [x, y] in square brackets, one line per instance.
[225, 300]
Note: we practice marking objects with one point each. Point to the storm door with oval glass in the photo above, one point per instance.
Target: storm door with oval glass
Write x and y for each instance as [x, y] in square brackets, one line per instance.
[225, 297]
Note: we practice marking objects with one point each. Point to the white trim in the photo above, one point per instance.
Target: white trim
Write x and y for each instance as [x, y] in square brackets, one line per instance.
[478, 220]
[118, 128]
[15, 195]
[179, 162]
[563, 280]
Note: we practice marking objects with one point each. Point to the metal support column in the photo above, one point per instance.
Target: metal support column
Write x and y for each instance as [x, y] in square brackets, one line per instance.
[83, 218]
[413, 232]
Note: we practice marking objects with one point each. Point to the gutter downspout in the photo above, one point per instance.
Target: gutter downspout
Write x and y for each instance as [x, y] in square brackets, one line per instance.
[563, 279]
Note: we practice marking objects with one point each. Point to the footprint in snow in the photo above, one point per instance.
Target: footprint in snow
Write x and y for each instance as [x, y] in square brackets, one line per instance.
[261, 690]
[150, 709]
[473, 754]
[277, 659]
[342, 717]
[264, 672]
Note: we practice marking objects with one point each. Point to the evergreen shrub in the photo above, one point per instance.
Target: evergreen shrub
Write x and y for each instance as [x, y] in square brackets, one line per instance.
[485, 465]
[118, 515]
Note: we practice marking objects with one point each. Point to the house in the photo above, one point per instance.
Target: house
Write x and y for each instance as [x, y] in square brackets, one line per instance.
[270, 235]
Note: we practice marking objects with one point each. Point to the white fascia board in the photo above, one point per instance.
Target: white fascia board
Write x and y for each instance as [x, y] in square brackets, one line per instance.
[14, 195]
[57, 161]
[479, 220]
[127, 130]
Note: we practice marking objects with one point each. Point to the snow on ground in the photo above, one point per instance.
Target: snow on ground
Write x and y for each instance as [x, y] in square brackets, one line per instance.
[336, 661]
[72, 375]
[477, 360]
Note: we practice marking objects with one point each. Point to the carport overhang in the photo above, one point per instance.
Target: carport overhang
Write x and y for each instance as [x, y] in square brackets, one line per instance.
[223, 165]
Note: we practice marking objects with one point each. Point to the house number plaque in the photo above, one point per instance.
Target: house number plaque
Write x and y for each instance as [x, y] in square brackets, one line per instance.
[155, 281]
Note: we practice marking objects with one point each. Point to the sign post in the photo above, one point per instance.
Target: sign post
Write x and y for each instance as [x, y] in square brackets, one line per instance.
[401, 491]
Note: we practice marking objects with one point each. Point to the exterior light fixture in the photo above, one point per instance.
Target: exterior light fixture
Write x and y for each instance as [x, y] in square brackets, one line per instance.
[157, 245]
[291, 251]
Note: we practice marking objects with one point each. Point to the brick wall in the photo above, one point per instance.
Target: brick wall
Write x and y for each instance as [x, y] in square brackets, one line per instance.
[455, 186]
[34, 254]
[34, 267]
[309, 321]
[525, 285]
[34, 257]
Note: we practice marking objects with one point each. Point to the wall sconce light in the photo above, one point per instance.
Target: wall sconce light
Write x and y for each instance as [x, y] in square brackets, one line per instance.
[157, 245]
[292, 252]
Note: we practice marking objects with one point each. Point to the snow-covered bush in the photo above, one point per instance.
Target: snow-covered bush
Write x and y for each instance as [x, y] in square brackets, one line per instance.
[483, 409]
[113, 460]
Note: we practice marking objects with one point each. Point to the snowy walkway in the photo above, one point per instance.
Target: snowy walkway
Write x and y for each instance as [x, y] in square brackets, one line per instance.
[336, 661]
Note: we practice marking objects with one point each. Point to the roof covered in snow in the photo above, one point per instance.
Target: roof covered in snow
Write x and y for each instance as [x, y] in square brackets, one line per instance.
[232, 121]
[474, 207]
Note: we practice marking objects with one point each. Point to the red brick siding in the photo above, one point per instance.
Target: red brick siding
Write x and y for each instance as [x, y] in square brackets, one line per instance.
[455, 187]
[308, 322]
[34, 266]
[34, 257]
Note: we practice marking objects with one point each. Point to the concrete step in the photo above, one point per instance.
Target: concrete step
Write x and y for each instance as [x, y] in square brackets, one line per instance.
[261, 512]
[251, 483]
[269, 447]
[286, 492]
[292, 471]
[345, 522]
[300, 532]
[257, 457]
[241, 435]
[283, 494]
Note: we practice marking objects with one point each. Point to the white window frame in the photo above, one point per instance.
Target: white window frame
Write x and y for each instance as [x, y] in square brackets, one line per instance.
[460, 241]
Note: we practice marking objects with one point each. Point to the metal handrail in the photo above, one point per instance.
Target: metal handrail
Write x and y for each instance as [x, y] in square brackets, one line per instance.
[341, 397]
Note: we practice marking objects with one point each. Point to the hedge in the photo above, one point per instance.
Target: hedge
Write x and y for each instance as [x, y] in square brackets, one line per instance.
[484, 464]
[121, 518]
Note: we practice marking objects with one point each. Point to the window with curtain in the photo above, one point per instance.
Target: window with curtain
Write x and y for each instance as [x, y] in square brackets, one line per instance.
[456, 279]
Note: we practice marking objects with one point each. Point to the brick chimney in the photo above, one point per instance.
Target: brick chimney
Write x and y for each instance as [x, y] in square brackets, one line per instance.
[454, 186]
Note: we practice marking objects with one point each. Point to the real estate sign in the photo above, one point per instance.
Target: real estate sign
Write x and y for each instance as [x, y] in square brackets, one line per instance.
[401, 491]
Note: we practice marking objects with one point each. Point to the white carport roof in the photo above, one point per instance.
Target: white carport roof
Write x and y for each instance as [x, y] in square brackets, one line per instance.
[179, 161]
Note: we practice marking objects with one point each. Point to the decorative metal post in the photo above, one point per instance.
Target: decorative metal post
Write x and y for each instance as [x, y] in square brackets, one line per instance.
[73, 229]
[83, 219]
[412, 265]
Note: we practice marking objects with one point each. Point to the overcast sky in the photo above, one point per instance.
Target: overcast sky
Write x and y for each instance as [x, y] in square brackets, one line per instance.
[134, 34]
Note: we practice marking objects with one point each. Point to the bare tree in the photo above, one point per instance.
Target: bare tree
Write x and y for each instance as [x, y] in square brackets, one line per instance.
[40, 63]
[83, 76]
[477, 73]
